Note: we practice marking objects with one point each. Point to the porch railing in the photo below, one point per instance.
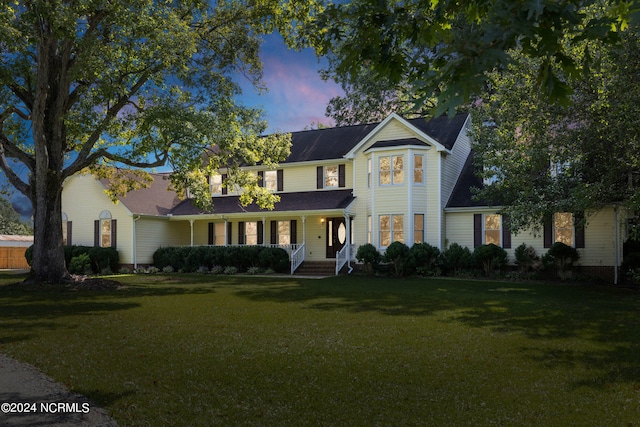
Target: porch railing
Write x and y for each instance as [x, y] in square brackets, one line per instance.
[297, 257]
[343, 256]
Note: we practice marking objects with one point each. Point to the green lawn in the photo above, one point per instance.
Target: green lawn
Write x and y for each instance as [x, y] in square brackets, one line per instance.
[206, 350]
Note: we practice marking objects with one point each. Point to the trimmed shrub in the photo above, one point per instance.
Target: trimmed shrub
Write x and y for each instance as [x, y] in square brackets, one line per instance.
[426, 259]
[80, 264]
[526, 257]
[561, 256]
[490, 258]
[456, 259]
[397, 253]
[276, 259]
[369, 256]
[103, 258]
[230, 270]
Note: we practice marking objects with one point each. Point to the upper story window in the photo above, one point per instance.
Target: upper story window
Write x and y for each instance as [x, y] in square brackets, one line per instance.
[272, 180]
[391, 170]
[215, 184]
[331, 176]
[418, 169]
[369, 171]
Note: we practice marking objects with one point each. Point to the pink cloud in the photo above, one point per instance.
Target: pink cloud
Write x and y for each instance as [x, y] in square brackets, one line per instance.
[297, 96]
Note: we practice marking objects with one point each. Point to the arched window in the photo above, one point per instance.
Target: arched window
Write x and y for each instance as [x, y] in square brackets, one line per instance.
[105, 230]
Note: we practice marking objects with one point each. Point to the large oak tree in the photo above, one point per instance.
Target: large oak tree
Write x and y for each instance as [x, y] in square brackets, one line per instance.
[119, 85]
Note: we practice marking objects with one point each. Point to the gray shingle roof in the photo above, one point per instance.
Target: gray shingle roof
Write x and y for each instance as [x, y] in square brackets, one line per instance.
[462, 195]
[334, 143]
[155, 200]
[298, 201]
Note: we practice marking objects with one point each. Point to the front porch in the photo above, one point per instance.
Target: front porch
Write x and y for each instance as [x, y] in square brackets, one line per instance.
[313, 238]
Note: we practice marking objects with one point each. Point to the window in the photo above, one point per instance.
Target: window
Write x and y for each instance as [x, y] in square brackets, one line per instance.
[391, 229]
[216, 233]
[284, 232]
[369, 170]
[391, 170]
[251, 233]
[369, 228]
[215, 184]
[492, 229]
[271, 180]
[330, 176]
[418, 171]
[105, 230]
[418, 228]
[558, 167]
[563, 228]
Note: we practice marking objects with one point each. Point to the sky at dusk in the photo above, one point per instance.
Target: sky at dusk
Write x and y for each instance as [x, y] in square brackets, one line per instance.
[297, 97]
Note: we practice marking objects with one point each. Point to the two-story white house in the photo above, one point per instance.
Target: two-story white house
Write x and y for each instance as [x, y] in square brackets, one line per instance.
[398, 180]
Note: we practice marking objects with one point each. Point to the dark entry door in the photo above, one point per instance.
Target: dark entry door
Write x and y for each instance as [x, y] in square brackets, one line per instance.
[336, 235]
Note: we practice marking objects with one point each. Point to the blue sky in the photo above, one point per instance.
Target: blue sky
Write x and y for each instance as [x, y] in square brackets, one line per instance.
[297, 95]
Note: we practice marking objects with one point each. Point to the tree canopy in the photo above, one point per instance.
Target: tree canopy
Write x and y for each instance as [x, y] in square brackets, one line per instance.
[541, 158]
[120, 85]
[445, 48]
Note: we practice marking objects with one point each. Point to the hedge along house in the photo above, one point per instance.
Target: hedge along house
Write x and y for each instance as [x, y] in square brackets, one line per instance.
[397, 180]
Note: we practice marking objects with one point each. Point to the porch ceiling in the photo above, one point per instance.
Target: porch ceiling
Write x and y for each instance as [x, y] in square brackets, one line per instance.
[299, 201]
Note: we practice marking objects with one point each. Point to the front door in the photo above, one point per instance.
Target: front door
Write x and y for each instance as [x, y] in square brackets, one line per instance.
[336, 235]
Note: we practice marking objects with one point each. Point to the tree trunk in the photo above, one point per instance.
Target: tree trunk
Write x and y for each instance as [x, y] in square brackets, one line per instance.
[48, 264]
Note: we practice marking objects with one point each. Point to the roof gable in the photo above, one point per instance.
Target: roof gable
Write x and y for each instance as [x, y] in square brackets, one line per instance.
[156, 200]
[441, 132]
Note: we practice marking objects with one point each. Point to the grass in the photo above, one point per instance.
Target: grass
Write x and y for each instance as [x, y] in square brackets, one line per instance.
[202, 350]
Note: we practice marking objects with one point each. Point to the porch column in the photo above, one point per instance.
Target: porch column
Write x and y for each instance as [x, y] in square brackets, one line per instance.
[304, 230]
[191, 221]
[264, 231]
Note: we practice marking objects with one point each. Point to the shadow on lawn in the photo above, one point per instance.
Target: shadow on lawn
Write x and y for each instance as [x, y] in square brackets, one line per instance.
[553, 317]
[25, 311]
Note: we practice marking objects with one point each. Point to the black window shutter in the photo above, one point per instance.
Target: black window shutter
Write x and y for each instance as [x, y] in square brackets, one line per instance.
[578, 220]
[548, 231]
[96, 232]
[506, 232]
[260, 232]
[319, 177]
[280, 180]
[114, 233]
[229, 233]
[477, 230]
[224, 188]
[341, 176]
[69, 233]
[260, 178]
[274, 232]
[211, 237]
[293, 229]
[241, 233]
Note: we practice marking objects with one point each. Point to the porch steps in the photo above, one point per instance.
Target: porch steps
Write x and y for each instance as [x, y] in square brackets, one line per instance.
[316, 268]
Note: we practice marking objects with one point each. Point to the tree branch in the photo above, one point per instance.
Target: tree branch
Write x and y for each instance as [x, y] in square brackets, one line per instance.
[13, 178]
[85, 157]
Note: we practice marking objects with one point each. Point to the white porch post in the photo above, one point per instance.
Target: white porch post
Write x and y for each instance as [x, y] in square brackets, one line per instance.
[191, 221]
[304, 230]
[264, 231]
